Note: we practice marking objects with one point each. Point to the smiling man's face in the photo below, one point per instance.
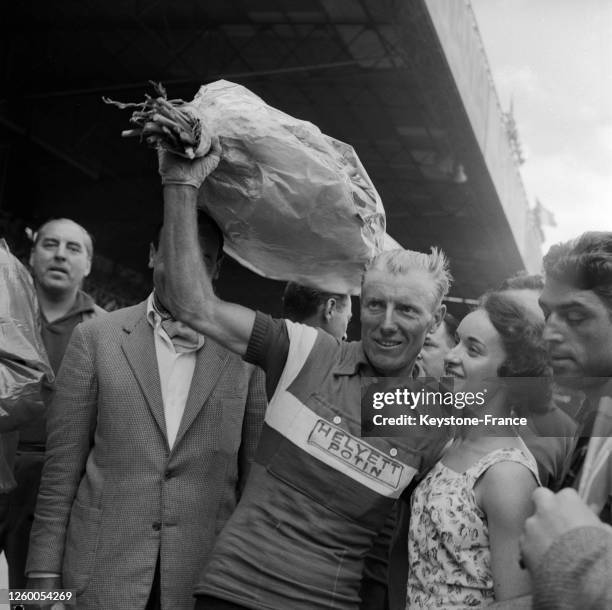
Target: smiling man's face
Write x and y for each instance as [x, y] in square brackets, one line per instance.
[61, 258]
[397, 312]
[578, 331]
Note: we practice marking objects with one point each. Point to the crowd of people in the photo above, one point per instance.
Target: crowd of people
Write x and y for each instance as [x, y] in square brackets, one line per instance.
[194, 453]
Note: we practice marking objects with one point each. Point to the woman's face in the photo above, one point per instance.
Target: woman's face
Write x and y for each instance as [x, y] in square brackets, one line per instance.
[477, 355]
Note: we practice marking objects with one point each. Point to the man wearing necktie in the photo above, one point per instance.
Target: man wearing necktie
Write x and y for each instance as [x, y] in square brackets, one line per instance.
[151, 434]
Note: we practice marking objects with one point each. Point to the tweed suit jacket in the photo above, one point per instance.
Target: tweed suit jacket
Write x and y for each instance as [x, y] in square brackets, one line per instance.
[113, 494]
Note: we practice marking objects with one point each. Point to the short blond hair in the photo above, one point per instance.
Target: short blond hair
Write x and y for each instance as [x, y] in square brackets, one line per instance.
[401, 261]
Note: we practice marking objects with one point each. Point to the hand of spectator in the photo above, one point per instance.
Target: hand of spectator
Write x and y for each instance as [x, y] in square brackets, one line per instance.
[175, 169]
[555, 514]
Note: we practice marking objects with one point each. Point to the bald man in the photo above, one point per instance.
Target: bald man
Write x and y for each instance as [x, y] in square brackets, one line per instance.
[60, 260]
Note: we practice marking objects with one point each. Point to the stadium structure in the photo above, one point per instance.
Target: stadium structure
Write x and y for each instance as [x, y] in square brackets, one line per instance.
[406, 82]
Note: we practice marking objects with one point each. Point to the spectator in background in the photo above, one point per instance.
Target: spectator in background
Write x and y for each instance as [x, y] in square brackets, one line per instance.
[577, 305]
[60, 259]
[550, 434]
[436, 347]
[326, 310]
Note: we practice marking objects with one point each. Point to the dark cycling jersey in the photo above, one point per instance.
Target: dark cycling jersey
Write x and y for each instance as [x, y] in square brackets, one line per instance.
[318, 493]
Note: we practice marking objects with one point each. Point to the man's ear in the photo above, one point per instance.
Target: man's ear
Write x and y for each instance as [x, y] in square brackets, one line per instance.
[437, 319]
[88, 270]
[329, 308]
[152, 253]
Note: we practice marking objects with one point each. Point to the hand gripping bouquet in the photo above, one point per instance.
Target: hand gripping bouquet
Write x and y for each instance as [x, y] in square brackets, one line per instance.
[23, 359]
[293, 203]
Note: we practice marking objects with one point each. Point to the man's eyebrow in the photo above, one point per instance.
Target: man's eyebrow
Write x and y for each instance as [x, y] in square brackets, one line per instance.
[409, 304]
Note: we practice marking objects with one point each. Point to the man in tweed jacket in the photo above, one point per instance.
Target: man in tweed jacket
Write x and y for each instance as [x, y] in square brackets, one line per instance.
[133, 496]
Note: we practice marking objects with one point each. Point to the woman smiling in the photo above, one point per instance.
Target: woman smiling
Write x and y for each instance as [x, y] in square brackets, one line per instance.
[468, 512]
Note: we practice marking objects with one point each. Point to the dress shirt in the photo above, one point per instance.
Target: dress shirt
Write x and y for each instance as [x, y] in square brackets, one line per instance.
[175, 372]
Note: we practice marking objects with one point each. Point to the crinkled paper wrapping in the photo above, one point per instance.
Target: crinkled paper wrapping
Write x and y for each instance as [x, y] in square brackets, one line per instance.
[293, 203]
[23, 358]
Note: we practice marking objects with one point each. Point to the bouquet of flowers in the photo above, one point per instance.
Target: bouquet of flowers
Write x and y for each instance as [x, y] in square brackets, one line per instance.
[293, 203]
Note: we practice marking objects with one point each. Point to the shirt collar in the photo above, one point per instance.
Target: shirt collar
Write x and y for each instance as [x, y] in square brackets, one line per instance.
[153, 318]
[83, 303]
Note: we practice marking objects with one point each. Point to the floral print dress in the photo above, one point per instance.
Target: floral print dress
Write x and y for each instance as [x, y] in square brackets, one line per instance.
[448, 540]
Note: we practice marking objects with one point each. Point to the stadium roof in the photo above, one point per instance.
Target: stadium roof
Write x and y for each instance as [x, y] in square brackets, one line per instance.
[405, 82]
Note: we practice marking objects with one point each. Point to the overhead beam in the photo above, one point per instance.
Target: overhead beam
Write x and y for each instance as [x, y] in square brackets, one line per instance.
[140, 85]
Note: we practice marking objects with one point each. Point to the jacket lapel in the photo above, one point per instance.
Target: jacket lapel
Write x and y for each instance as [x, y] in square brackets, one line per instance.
[210, 363]
[139, 348]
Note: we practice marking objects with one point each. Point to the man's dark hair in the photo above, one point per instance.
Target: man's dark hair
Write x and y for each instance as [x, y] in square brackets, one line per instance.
[204, 221]
[523, 281]
[584, 263]
[300, 302]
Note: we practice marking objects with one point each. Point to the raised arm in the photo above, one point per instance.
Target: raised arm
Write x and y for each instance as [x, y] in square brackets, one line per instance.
[188, 291]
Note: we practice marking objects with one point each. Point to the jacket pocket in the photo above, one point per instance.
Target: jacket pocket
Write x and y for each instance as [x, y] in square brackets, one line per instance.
[81, 546]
